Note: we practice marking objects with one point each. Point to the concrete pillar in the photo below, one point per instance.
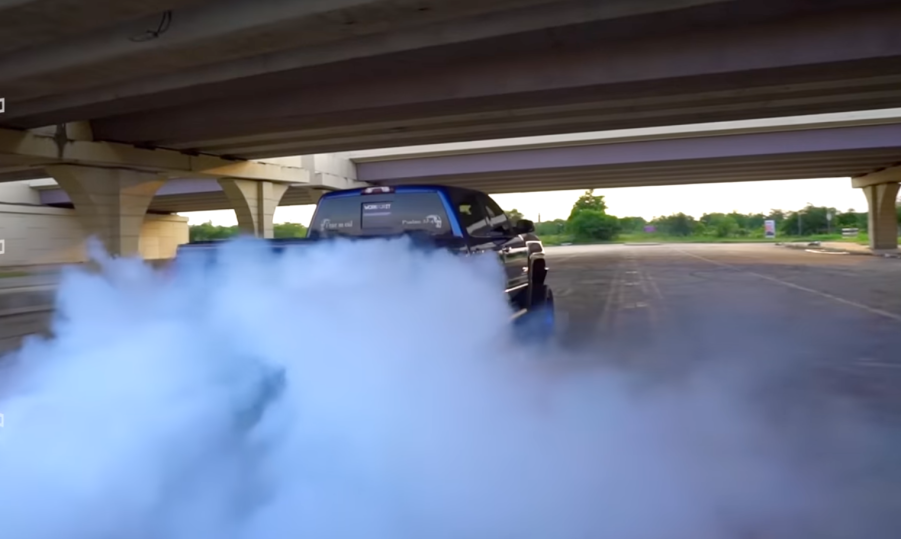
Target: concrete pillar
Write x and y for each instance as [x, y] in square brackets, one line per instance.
[254, 203]
[316, 194]
[883, 218]
[110, 203]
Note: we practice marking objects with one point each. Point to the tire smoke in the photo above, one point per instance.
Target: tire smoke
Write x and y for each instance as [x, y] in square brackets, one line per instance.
[371, 390]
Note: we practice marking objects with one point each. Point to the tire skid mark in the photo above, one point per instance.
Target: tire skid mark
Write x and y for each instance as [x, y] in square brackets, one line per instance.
[608, 317]
[632, 315]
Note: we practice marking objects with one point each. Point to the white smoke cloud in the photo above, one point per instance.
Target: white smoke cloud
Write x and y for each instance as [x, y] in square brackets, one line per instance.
[371, 391]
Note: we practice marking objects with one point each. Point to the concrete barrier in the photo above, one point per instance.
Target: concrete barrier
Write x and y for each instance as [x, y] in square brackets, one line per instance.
[19, 300]
[14, 328]
[24, 311]
[28, 310]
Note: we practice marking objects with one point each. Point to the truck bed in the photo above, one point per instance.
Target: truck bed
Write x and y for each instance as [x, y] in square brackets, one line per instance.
[280, 244]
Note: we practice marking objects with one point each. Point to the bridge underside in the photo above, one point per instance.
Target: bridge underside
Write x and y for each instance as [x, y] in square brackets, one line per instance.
[184, 195]
[187, 202]
[797, 153]
[177, 196]
[269, 78]
[738, 155]
[802, 166]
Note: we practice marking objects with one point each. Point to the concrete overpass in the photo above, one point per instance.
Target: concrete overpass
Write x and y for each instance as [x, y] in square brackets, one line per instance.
[630, 159]
[187, 194]
[137, 93]
[864, 145]
[267, 78]
[112, 185]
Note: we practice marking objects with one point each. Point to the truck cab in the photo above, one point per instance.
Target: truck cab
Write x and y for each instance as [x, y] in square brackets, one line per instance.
[463, 220]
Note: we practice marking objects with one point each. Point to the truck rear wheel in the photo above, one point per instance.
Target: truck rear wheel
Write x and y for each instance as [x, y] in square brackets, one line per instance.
[539, 323]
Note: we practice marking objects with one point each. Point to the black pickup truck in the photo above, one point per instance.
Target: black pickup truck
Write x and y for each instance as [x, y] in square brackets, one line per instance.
[463, 221]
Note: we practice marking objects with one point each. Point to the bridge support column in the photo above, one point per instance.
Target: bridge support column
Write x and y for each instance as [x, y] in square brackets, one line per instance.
[254, 203]
[316, 194]
[883, 216]
[110, 203]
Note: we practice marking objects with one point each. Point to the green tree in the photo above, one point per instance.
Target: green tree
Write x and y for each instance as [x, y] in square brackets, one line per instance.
[289, 230]
[631, 225]
[749, 223]
[514, 215]
[677, 224]
[550, 228]
[588, 219]
[727, 227]
[711, 223]
[593, 225]
[851, 219]
[207, 231]
[808, 221]
[589, 201]
[793, 224]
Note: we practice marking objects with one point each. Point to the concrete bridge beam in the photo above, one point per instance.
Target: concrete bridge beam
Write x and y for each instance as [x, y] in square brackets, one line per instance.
[254, 203]
[111, 203]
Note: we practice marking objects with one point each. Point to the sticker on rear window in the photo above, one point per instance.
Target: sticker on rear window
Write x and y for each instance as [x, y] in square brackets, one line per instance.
[375, 209]
[433, 220]
[327, 224]
[377, 215]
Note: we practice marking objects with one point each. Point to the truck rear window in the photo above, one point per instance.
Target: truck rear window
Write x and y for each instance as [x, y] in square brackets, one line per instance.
[382, 214]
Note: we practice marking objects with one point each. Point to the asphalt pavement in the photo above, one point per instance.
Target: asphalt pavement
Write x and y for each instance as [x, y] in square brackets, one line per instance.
[828, 324]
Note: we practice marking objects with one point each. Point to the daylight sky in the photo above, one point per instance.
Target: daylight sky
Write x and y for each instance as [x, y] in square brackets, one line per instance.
[647, 202]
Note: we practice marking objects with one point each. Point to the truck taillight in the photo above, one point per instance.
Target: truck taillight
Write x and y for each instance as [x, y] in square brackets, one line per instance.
[380, 190]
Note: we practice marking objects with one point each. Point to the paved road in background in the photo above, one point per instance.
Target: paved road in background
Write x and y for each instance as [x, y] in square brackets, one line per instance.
[823, 321]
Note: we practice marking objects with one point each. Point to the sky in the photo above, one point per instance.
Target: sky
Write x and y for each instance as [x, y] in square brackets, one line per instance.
[647, 202]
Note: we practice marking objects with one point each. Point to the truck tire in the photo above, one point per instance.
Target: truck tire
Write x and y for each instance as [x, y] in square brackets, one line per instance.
[538, 325]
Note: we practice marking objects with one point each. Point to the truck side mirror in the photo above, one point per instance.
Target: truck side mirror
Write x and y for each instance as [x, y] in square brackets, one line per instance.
[524, 226]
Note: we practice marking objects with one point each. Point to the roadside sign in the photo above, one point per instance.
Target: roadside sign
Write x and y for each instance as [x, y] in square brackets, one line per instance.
[650, 229]
[769, 228]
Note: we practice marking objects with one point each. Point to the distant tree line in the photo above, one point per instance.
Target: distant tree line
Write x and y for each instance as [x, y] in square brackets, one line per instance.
[207, 231]
[589, 220]
[810, 220]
